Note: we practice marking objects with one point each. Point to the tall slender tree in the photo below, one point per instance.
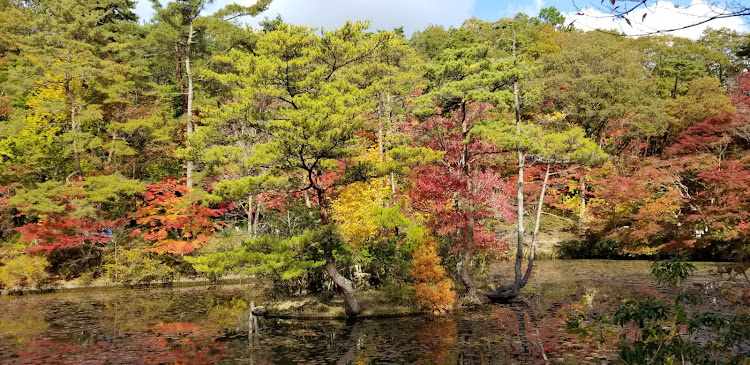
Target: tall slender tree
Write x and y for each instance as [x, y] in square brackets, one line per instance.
[186, 26]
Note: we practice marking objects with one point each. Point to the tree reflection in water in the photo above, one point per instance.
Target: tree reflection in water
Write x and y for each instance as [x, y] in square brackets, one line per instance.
[206, 325]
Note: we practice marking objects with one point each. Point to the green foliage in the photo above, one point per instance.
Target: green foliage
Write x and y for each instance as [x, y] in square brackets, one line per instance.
[593, 87]
[597, 326]
[397, 294]
[388, 260]
[552, 15]
[319, 110]
[703, 99]
[281, 261]
[86, 278]
[97, 196]
[469, 74]
[136, 267]
[588, 249]
[548, 138]
[672, 271]
[661, 341]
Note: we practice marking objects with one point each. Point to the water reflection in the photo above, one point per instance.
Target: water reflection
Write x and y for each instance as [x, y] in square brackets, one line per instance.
[206, 327]
[210, 325]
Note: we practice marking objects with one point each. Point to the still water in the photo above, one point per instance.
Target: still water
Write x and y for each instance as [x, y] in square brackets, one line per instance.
[214, 325]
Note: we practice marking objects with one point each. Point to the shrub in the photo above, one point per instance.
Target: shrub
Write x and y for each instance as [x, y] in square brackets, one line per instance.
[24, 271]
[672, 272]
[86, 278]
[682, 330]
[588, 249]
[138, 267]
[397, 294]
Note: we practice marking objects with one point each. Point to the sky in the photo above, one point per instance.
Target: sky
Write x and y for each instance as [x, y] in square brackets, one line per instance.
[414, 15]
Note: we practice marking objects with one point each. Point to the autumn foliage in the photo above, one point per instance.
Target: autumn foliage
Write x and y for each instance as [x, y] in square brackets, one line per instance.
[353, 210]
[172, 222]
[57, 221]
[62, 232]
[335, 149]
[441, 189]
[694, 196]
[433, 289]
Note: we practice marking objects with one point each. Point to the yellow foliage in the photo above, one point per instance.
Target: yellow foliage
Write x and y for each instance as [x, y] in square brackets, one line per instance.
[432, 288]
[24, 271]
[371, 155]
[352, 210]
[47, 116]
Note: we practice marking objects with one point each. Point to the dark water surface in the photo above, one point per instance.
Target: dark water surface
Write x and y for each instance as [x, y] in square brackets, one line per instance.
[210, 325]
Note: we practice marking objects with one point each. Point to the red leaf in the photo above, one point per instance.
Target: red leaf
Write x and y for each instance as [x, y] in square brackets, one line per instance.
[628, 21]
[643, 17]
[612, 1]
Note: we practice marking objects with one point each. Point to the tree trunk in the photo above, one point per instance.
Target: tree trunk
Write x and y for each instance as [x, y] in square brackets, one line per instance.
[74, 127]
[351, 306]
[178, 76]
[250, 232]
[381, 148]
[519, 194]
[256, 231]
[520, 221]
[465, 272]
[511, 291]
[391, 121]
[189, 112]
[582, 213]
[535, 234]
[111, 149]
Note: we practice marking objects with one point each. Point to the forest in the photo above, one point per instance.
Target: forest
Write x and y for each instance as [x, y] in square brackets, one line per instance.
[338, 163]
[330, 160]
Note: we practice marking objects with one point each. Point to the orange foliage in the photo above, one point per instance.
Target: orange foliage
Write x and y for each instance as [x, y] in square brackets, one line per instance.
[174, 224]
[433, 289]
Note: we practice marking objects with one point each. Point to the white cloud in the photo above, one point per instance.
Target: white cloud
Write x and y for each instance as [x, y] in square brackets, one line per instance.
[660, 16]
[383, 14]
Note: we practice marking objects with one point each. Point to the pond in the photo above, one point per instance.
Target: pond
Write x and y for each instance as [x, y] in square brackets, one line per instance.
[213, 324]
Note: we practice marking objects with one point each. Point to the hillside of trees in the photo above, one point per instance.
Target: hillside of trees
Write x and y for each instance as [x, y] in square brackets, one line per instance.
[194, 145]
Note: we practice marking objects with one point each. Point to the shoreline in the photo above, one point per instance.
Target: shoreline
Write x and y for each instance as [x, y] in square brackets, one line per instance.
[101, 285]
[73, 286]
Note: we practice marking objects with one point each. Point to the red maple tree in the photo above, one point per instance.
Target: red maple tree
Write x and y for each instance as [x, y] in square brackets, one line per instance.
[442, 189]
[60, 232]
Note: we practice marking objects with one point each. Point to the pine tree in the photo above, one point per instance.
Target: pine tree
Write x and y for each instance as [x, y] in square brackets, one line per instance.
[314, 95]
[184, 25]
